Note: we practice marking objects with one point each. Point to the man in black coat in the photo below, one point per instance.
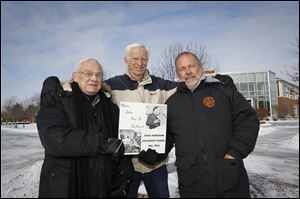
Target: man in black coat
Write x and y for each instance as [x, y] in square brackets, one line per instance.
[79, 129]
[213, 128]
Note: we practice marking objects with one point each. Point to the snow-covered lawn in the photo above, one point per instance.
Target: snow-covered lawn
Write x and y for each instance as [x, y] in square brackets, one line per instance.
[273, 167]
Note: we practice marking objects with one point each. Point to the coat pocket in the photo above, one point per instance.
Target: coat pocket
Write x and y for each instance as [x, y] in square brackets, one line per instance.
[228, 174]
[59, 179]
[188, 174]
[184, 162]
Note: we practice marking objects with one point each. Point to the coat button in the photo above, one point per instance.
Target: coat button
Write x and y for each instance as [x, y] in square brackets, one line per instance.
[52, 174]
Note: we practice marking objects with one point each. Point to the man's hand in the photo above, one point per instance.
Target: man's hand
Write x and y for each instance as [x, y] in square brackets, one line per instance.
[113, 147]
[227, 156]
[151, 157]
[156, 122]
[51, 92]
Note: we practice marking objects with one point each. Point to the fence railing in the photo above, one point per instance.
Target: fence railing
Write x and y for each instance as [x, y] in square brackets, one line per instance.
[14, 124]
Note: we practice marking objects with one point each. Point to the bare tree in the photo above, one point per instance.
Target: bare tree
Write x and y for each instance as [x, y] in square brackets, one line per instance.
[7, 108]
[293, 71]
[13, 111]
[33, 100]
[17, 112]
[166, 68]
[31, 107]
[31, 112]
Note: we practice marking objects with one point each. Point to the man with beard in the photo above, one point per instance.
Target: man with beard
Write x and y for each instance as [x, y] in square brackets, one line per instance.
[214, 128]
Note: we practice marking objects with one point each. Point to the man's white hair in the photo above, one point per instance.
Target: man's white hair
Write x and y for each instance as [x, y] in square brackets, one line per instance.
[135, 45]
[80, 65]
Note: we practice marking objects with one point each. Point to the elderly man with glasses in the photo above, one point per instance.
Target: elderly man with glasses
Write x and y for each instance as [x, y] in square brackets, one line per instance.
[79, 130]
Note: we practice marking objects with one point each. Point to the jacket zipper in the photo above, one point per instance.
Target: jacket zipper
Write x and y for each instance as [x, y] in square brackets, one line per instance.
[200, 141]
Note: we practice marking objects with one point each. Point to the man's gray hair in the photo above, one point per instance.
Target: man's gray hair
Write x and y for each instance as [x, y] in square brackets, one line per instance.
[187, 53]
[79, 67]
[135, 45]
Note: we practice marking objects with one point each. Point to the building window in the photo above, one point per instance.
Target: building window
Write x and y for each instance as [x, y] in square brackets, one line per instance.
[244, 87]
[260, 86]
[260, 77]
[252, 86]
[243, 77]
[251, 77]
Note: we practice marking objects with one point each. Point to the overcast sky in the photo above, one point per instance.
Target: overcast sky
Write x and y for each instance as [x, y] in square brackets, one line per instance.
[39, 39]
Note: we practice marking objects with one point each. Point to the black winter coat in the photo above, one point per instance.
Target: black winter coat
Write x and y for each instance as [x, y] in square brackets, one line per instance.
[71, 153]
[205, 125]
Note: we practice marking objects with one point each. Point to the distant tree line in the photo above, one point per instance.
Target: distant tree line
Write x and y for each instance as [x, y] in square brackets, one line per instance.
[13, 110]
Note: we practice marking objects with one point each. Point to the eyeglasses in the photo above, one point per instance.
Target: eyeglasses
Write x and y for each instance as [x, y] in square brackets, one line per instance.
[90, 74]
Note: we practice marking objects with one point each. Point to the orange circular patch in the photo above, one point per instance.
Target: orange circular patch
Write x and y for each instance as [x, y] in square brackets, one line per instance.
[209, 101]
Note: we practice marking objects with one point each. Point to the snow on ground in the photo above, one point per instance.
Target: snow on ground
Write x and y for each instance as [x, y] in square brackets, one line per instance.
[21, 161]
[292, 143]
[273, 166]
[22, 184]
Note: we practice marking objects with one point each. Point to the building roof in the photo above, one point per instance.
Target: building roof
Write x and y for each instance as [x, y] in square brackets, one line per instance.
[282, 80]
[241, 72]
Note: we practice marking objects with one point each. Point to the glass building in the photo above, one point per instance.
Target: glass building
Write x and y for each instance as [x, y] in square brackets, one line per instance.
[259, 88]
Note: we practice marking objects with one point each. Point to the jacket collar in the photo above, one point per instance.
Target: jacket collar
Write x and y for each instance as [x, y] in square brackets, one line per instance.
[146, 78]
[66, 85]
[205, 80]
